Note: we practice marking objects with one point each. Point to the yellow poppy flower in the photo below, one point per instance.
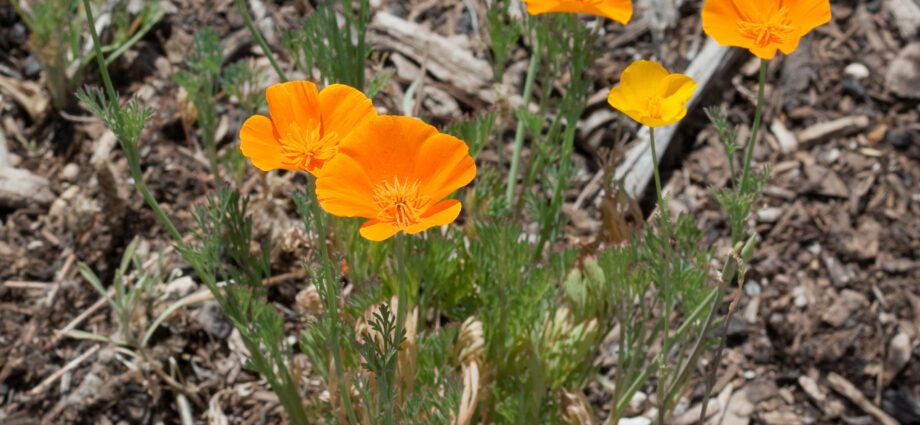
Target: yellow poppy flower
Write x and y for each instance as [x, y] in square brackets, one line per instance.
[617, 10]
[651, 95]
[764, 26]
[396, 172]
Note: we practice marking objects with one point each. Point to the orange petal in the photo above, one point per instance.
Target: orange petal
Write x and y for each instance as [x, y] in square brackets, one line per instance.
[344, 190]
[294, 101]
[720, 21]
[387, 146]
[443, 165]
[442, 213]
[617, 10]
[807, 15]
[259, 142]
[344, 108]
[376, 231]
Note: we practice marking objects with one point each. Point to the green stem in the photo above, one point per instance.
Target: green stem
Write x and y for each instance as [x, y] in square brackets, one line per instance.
[758, 116]
[662, 206]
[107, 81]
[332, 305]
[519, 133]
[129, 146]
[247, 19]
[402, 307]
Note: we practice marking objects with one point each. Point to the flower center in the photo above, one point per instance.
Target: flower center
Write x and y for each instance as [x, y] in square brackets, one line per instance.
[307, 148]
[653, 106]
[773, 30]
[400, 203]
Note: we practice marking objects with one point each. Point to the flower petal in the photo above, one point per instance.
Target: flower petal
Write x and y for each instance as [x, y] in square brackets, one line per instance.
[344, 108]
[443, 165]
[259, 142]
[617, 10]
[807, 15]
[641, 79]
[387, 146]
[344, 190]
[294, 101]
[721, 18]
[376, 231]
[442, 213]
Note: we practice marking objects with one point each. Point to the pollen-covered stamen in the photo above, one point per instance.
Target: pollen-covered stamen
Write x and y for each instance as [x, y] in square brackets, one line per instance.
[653, 106]
[773, 30]
[401, 204]
[307, 148]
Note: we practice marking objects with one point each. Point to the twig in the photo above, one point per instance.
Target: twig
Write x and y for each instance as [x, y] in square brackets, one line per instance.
[26, 284]
[40, 388]
[848, 390]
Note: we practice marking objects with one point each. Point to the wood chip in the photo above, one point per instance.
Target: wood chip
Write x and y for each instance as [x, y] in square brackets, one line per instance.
[787, 141]
[848, 390]
[823, 131]
[903, 76]
[21, 188]
[445, 58]
[906, 15]
[844, 307]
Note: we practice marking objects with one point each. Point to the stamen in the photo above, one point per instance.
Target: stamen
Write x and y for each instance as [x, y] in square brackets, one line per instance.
[654, 107]
[307, 148]
[400, 203]
[773, 30]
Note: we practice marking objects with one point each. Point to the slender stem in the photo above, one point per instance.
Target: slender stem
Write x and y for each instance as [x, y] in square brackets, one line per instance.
[519, 133]
[662, 206]
[402, 307]
[100, 60]
[758, 116]
[247, 19]
[129, 146]
[332, 303]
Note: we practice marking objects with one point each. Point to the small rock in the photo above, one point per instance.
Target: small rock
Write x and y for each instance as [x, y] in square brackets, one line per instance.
[903, 76]
[799, 298]
[752, 288]
[902, 406]
[637, 403]
[769, 214]
[181, 287]
[32, 67]
[840, 274]
[827, 181]
[638, 420]
[857, 71]
[902, 139]
[899, 352]
[844, 307]
[213, 321]
[70, 172]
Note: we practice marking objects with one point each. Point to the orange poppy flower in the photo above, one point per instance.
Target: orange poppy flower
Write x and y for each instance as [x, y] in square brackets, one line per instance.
[651, 95]
[763, 26]
[306, 126]
[617, 10]
[396, 172]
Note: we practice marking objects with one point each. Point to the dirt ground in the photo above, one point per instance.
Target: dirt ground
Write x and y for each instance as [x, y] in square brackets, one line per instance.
[827, 323]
